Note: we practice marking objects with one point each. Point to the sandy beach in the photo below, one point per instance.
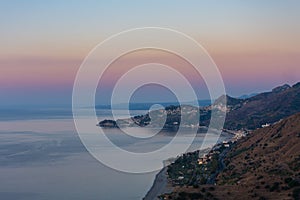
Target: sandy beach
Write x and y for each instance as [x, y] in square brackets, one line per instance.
[160, 185]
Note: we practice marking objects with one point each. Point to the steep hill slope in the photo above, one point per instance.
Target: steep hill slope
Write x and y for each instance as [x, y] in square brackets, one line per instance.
[267, 162]
[264, 108]
[264, 165]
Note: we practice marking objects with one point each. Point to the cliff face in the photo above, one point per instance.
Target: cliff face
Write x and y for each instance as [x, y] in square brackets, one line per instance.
[264, 165]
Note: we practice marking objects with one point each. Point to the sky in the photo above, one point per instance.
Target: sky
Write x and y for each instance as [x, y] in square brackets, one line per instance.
[255, 44]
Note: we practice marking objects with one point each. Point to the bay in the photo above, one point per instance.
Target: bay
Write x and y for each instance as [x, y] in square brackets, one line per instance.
[43, 158]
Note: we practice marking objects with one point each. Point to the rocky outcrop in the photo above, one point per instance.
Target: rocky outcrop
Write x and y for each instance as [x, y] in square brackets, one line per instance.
[108, 124]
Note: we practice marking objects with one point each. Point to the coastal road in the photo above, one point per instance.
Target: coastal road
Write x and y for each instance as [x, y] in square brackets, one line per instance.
[212, 179]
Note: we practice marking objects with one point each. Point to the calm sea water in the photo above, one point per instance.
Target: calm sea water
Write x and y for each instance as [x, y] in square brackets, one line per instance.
[42, 157]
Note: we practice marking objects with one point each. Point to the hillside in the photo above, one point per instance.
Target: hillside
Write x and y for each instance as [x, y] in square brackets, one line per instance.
[264, 165]
[264, 108]
[168, 118]
[251, 113]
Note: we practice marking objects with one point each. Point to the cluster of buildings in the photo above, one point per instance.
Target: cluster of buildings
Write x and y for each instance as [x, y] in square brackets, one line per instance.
[218, 148]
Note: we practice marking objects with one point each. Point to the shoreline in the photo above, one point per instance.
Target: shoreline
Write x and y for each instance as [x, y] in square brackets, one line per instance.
[161, 184]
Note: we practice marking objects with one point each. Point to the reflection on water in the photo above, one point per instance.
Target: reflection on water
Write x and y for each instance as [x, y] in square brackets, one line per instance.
[44, 159]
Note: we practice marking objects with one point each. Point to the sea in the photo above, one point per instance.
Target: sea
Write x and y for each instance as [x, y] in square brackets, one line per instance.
[43, 158]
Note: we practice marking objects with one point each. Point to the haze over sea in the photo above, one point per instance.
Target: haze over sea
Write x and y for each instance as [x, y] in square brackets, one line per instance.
[42, 157]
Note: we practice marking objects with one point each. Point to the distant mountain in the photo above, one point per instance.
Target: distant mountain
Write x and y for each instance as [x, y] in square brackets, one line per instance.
[247, 96]
[147, 105]
[268, 107]
[135, 106]
[250, 113]
[230, 101]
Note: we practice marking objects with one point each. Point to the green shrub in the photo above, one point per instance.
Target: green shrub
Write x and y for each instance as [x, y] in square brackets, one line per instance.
[296, 193]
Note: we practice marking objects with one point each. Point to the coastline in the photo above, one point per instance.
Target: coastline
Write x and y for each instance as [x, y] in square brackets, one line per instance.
[162, 185]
